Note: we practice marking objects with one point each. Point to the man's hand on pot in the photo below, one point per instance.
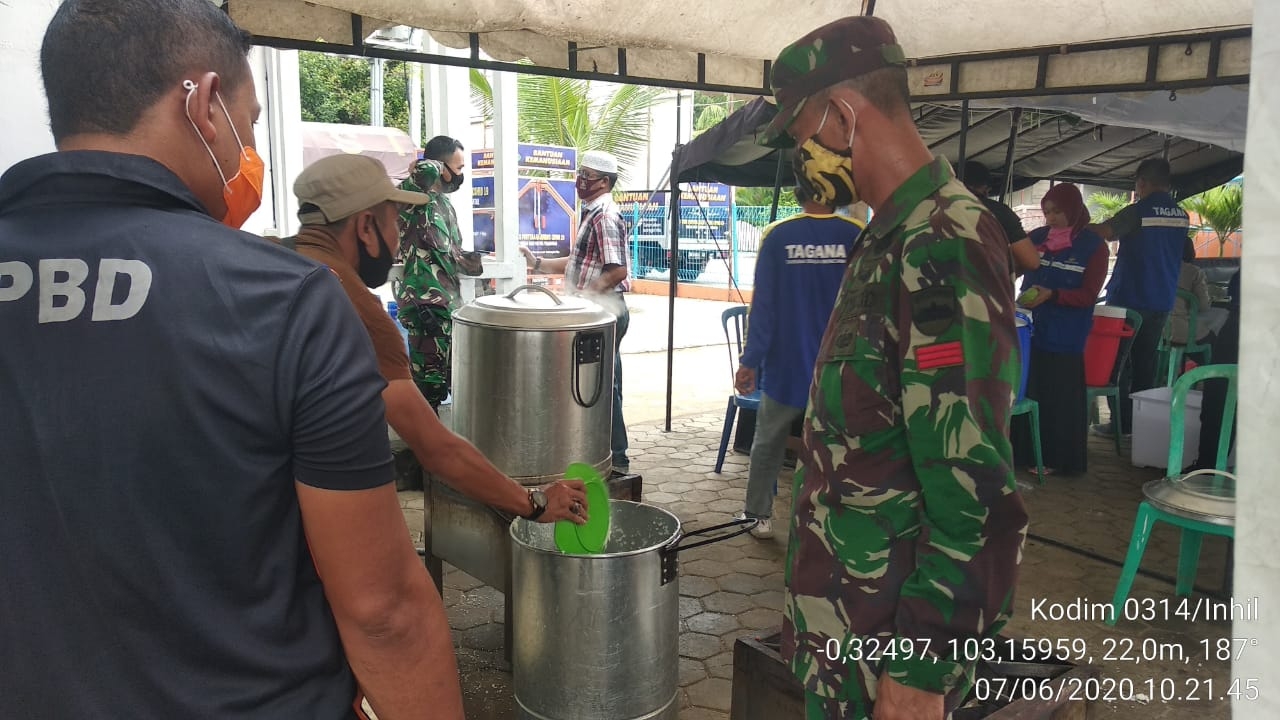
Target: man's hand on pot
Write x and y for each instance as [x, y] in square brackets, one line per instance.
[566, 500]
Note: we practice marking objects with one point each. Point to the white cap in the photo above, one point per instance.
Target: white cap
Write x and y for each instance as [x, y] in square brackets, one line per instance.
[599, 161]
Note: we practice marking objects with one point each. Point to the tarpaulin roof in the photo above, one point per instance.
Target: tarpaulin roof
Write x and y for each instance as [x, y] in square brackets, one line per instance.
[1082, 43]
[1051, 144]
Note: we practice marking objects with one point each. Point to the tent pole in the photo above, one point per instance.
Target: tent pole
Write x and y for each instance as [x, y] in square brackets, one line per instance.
[964, 137]
[674, 214]
[1015, 121]
[777, 188]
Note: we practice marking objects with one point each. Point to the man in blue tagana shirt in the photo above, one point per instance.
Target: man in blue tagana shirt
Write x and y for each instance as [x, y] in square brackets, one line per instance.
[798, 273]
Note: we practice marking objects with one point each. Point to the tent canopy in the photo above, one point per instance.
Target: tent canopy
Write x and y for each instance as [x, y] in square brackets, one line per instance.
[1052, 143]
[991, 48]
[390, 146]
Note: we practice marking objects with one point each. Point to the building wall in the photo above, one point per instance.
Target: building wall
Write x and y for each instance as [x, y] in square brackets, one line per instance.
[25, 125]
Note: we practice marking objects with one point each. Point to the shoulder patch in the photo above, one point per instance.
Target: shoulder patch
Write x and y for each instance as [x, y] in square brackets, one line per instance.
[940, 355]
[934, 309]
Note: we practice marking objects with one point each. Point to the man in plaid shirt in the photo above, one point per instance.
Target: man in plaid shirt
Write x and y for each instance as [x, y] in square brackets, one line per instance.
[596, 267]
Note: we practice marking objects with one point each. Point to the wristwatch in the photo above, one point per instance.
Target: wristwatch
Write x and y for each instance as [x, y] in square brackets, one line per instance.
[537, 263]
[538, 500]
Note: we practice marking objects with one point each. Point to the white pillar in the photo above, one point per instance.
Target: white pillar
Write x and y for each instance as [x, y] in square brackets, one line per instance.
[377, 105]
[433, 91]
[1257, 566]
[455, 113]
[448, 112]
[415, 93]
[506, 155]
[280, 142]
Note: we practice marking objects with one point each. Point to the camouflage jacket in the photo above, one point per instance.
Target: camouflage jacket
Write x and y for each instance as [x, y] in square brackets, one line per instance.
[431, 249]
[908, 526]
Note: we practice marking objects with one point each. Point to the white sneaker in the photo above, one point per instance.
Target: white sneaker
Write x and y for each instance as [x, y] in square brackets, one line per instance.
[763, 528]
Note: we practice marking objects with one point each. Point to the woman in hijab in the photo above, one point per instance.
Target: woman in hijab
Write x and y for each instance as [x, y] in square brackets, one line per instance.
[1062, 293]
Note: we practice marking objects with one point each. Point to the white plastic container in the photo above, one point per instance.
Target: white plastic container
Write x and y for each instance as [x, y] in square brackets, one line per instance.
[1151, 428]
[1109, 311]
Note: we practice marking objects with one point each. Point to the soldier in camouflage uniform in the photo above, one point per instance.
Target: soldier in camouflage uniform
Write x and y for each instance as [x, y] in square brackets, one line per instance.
[907, 527]
[431, 249]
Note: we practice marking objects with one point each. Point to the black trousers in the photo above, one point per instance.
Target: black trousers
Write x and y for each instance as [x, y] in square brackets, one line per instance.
[1140, 372]
[1226, 349]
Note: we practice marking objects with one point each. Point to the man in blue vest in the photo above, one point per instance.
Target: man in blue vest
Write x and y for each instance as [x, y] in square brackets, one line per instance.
[798, 273]
[1152, 233]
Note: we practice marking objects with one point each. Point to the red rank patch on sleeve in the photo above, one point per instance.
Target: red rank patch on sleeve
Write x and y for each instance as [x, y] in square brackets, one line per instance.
[941, 355]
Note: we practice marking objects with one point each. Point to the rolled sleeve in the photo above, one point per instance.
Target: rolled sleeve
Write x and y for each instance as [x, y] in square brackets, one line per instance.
[613, 240]
[958, 372]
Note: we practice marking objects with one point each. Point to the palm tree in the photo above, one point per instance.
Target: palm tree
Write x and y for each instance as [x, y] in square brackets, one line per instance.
[567, 112]
[1222, 209]
[1105, 205]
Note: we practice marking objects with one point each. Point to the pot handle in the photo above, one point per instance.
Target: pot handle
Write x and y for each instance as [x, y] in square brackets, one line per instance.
[588, 349]
[670, 552]
[1195, 473]
[512, 295]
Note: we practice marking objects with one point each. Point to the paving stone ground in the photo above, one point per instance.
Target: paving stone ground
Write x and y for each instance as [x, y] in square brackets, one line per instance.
[1080, 530]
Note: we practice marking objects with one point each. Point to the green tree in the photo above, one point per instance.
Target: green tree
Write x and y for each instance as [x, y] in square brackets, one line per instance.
[335, 89]
[1221, 210]
[567, 112]
[763, 197]
[1102, 206]
[708, 118]
[711, 108]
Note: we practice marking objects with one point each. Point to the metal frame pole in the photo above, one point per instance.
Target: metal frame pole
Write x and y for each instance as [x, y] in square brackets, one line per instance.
[777, 188]
[1014, 122]
[673, 275]
[964, 138]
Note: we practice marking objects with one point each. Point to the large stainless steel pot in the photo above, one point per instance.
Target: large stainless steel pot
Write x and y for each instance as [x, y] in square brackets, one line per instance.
[533, 382]
[596, 637]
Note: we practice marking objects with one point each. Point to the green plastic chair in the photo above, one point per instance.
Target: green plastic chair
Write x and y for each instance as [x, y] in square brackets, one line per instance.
[1171, 355]
[1193, 528]
[1133, 319]
[1031, 406]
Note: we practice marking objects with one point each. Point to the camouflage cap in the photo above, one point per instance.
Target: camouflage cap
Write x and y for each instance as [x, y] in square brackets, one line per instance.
[841, 50]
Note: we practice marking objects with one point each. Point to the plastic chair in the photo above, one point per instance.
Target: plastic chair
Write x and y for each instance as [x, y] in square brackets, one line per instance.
[1027, 405]
[1193, 529]
[1133, 319]
[1171, 354]
[737, 317]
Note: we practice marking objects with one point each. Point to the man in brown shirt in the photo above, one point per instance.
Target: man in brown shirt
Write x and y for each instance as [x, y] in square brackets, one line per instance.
[350, 213]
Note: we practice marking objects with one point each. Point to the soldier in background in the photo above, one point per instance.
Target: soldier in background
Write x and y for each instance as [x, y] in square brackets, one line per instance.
[431, 249]
[908, 527]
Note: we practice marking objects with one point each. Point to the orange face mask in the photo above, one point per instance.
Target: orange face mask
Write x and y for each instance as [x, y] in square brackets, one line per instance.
[243, 191]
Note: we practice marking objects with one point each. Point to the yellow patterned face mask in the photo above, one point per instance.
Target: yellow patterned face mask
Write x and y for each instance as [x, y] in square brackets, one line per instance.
[826, 174]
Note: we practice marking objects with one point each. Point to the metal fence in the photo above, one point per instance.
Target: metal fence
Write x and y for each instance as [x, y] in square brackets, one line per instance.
[718, 244]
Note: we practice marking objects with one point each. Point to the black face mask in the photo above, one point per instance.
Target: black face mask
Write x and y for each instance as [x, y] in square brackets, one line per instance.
[373, 271]
[454, 184]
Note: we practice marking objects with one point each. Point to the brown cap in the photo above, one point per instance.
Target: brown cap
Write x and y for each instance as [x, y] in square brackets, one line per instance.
[342, 185]
[838, 51]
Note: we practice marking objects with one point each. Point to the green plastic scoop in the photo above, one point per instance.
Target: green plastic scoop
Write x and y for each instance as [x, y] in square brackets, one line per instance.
[589, 538]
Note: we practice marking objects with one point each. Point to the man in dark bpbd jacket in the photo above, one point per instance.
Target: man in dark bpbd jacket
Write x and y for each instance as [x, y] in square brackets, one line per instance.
[196, 507]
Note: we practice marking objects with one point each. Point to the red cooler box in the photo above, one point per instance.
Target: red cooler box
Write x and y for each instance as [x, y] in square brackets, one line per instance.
[1103, 344]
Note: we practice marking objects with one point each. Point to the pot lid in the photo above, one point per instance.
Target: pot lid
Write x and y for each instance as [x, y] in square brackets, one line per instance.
[1205, 495]
[533, 307]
